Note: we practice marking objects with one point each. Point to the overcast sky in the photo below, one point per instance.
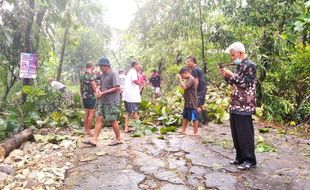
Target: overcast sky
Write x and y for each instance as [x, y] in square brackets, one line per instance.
[119, 12]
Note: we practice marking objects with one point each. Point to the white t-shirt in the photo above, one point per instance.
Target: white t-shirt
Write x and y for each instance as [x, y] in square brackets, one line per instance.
[57, 85]
[131, 90]
[122, 78]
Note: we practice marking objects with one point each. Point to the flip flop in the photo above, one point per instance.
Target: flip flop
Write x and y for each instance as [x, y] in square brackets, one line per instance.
[130, 131]
[115, 142]
[89, 142]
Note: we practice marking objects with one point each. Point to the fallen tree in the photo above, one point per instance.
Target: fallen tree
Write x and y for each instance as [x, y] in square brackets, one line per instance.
[14, 142]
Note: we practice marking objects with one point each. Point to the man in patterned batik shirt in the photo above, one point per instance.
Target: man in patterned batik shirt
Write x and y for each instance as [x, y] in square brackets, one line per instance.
[242, 105]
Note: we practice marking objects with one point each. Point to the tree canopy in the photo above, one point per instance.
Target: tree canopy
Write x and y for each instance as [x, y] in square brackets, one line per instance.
[66, 34]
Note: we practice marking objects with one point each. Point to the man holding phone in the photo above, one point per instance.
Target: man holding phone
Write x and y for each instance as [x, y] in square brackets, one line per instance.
[242, 105]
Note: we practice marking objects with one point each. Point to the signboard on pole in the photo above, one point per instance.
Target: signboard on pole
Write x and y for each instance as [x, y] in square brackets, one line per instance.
[28, 65]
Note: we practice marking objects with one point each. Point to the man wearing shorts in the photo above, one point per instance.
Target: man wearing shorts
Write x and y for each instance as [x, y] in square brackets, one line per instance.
[200, 79]
[108, 105]
[88, 88]
[131, 94]
[155, 82]
[190, 100]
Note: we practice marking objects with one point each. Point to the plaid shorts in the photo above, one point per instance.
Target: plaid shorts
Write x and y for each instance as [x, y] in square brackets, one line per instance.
[110, 112]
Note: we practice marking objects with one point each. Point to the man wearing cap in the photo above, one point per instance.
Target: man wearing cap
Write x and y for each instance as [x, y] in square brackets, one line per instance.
[131, 94]
[109, 100]
[242, 105]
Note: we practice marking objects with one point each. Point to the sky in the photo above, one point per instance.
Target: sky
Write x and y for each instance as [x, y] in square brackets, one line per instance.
[119, 13]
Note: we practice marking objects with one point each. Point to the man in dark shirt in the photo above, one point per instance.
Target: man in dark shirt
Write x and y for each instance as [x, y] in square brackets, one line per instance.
[155, 82]
[190, 100]
[201, 81]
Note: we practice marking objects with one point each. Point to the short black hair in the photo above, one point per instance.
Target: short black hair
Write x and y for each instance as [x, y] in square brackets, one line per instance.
[184, 70]
[133, 63]
[192, 58]
[154, 70]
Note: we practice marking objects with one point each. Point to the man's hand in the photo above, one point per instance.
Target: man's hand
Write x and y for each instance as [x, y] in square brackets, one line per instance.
[99, 94]
[179, 77]
[226, 73]
[97, 90]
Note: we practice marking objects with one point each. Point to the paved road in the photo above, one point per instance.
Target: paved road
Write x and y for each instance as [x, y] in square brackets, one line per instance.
[183, 162]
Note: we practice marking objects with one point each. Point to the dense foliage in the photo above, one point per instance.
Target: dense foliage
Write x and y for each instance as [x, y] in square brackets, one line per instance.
[65, 38]
[162, 34]
[275, 33]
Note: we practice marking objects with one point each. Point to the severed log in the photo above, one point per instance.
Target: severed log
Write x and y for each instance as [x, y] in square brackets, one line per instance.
[14, 142]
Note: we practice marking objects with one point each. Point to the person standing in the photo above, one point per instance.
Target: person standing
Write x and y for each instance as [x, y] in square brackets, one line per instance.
[142, 80]
[131, 94]
[190, 100]
[200, 79]
[108, 106]
[88, 88]
[122, 78]
[242, 105]
[155, 82]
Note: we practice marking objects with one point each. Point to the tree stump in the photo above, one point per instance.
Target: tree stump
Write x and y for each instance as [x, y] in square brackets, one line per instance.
[14, 142]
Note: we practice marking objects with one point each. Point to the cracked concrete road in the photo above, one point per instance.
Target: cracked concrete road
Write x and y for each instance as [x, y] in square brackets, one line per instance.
[183, 162]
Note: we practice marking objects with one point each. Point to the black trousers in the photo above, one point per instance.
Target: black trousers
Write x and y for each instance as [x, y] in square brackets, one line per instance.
[242, 132]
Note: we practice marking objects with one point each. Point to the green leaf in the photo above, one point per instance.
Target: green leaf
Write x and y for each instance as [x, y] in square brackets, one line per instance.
[264, 130]
[264, 147]
[56, 116]
[163, 130]
[154, 129]
[3, 125]
[171, 128]
[137, 134]
[27, 89]
[260, 139]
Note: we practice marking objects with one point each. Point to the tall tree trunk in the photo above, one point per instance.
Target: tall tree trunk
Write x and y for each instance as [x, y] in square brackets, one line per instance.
[28, 48]
[267, 49]
[64, 43]
[304, 37]
[205, 68]
[27, 39]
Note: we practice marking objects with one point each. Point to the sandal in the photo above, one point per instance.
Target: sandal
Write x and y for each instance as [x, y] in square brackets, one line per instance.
[130, 131]
[89, 142]
[246, 166]
[115, 142]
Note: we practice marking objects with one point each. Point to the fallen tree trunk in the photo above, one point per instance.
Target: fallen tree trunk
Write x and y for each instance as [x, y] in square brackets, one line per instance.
[14, 142]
